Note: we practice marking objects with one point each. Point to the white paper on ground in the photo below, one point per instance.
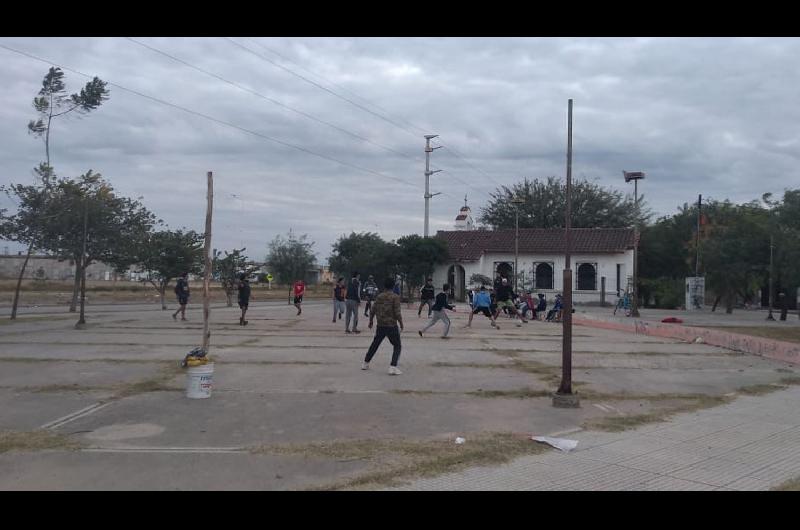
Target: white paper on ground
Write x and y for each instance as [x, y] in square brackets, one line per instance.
[460, 440]
[559, 443]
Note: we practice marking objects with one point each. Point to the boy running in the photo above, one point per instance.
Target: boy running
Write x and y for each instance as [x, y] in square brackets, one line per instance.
[370, 292]
[387, 309]
[481, 303]
[299, 290]
[352, 301]
[438, 312]
[504, 299]
[426, 296]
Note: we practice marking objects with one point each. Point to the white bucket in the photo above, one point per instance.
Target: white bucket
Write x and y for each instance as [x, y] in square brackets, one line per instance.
[199, 380]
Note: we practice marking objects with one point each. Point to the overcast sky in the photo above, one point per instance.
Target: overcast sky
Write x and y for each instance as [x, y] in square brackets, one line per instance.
[716, 116]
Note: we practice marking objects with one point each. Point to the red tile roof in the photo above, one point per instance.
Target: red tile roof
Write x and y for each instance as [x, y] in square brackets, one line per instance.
[469, 245]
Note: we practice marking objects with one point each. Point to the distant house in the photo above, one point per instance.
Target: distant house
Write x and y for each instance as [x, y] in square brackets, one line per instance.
[596, 253]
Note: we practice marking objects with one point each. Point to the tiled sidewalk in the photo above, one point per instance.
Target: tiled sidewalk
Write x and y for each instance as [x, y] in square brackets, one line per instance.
[752, 443]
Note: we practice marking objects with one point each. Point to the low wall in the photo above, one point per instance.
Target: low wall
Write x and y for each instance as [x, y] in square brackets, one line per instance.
[774, 349]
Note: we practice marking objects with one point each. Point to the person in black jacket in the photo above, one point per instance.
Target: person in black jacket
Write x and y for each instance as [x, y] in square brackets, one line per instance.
[182, 290]
[426, 295]
[244, 297]
[438, 312]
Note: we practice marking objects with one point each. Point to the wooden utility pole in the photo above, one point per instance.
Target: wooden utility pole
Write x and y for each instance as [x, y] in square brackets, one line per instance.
[564, 396]
[207, 268]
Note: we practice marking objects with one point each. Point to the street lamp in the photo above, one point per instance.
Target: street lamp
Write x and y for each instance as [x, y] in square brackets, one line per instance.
[516, 201]
[635, 176]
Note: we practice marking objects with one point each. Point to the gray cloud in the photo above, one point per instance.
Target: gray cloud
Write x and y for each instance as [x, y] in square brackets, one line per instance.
[700, 115]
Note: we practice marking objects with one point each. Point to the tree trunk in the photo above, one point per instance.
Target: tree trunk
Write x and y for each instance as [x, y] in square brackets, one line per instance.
[19, 283]
[716, 301]
[75, 288]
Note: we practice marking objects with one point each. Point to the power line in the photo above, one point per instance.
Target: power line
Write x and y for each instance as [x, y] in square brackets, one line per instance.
[292, 72]
[362, 98]
[271, 100]
[216, 120]
[326, 89]
[282, 105]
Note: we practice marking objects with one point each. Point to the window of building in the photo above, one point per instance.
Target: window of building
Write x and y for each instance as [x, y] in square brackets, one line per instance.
[587, 276]
[543, 274]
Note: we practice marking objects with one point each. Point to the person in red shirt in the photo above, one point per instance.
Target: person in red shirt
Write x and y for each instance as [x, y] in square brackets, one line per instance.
[299, 289]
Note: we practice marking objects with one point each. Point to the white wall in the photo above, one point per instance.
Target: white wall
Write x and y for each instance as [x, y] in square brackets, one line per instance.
[606, 266]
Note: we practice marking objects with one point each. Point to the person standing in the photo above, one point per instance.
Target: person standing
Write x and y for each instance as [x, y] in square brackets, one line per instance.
[338, 299]
[540, 309]
[244, 297]
[299, 289]
[426, 295]
[387, 310]
[482, 303]
[505, 299]
[370, 292]
[182, 291]
[353, 299]
[438, 312]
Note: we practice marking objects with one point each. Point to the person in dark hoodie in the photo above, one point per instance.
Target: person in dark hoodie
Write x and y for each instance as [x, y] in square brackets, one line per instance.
[352, 302]
[244, 297]
[438, 312]
[426, 296]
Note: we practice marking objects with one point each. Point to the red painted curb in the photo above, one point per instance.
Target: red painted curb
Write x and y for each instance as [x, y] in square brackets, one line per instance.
[774, 349]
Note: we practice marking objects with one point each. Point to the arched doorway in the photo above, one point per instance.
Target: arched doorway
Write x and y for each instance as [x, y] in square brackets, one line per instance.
[587, 277]
[457, 278]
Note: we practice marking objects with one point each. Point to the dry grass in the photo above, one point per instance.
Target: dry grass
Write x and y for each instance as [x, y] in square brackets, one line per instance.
[35, 441]
[623, 423]
[788, 333]
[391, 461]
[789, 485]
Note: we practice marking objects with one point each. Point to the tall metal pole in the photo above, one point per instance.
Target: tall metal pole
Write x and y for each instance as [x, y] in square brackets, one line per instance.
[697, 255]
[635, 297]
[564, 396]
[428, 173]
[769, 315]
[207, 256]
[516, 248]
[82, 318]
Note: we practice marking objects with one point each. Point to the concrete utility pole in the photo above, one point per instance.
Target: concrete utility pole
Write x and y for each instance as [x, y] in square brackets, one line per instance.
[564, 397]
[771, 246]
[635, 176]
[516, 201]
[428, 173]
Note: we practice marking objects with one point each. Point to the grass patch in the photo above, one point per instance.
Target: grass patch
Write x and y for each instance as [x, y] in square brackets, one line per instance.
[520, 393]
[760, 389]
[623, 423]
[788, 334]
[158, 383]
[38, 440]
[391, 461]
[789, 485]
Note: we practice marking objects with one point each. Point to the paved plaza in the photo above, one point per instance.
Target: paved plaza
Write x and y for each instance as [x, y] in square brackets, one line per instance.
[105, 407]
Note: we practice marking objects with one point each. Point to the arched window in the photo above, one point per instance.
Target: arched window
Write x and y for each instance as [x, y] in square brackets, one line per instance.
[544, 276]
[587, 277]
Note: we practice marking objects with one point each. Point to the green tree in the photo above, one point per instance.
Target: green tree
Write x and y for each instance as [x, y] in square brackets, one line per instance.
[90, 223]
[365, 252]
[167, 254]
[226, 269]
[545, 206]
[419, 257]
[290, 258]
[53, 102]
[29, 224]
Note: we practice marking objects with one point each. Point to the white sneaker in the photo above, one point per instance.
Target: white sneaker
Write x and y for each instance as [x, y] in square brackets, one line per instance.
[365, 366]
[394, 371]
